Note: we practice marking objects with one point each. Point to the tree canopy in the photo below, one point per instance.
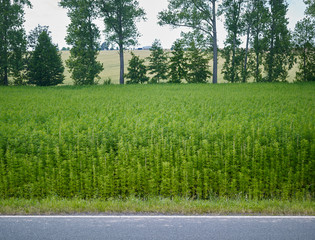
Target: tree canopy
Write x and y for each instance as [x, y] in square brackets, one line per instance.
[177, 63]
[310, 7]
[136, 70]
[269, 52]
[83, 35]
[158, 62]
[197, 62]
[279, 56]
[120, 18]
[45, 65]
[198, 15]
[304, 40]
[12, 39]
[233, 11]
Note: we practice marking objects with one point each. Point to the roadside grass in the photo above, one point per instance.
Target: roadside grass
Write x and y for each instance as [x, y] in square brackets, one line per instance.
[133, 205]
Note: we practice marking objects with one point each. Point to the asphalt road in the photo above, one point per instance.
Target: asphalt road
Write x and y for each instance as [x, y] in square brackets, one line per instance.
[155, 227]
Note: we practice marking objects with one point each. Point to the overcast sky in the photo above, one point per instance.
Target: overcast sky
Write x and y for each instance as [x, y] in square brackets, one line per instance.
[48, 13]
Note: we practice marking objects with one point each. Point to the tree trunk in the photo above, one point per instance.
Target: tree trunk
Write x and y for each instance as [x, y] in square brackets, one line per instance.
[121, 46]
[5, 65]
[257, 66]
[5, 37]
[122, 64]
[257, 54]
[271, 54]
[304, 63]
[246, 53]
[233, 58]
[215, 46]
[5, 78]
[270, 60]
[236, 17]
[90, 75]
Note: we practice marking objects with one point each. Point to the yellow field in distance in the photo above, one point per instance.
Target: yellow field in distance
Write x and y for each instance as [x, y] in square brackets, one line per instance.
[110, 61]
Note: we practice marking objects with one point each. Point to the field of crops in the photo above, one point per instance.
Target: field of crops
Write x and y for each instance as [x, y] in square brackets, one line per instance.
[249, 141]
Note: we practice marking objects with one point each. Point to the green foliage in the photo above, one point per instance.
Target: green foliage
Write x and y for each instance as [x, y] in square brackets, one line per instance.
[32, 42]
[307, 66]
[310, 9]
[83, 35]
[249, 141]
[198, 15]
[136, 70]
[158, 66]
[232, 67]
[197, 65]
[279, 57]
[32, 38]
[120, 18]
[247, 19]
[45, 66]
[304, 39]
[12, 40]
[233, 12]
[259, 19]
[177, 63]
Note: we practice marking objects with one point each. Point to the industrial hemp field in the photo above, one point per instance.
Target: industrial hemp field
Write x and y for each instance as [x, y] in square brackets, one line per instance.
[240, 141]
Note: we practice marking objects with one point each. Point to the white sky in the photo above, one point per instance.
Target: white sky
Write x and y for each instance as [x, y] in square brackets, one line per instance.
[48, 13]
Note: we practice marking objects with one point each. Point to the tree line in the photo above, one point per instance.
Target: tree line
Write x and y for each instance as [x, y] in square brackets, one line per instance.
[270, 48]
[187, 63]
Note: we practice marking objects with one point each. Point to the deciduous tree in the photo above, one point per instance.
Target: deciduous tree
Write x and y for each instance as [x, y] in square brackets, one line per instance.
[259, 22]
[198, 15]
[248, 24]
[233, 11]
[304, 39]
[310, 7]
[12, 39]
[120, 18]
[279, 57]
[83, 35]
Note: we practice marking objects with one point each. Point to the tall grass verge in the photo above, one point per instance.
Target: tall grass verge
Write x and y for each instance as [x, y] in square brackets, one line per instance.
[135, 205]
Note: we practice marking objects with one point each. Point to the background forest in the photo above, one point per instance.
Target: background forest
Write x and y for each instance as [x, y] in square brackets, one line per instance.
[258, 47]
